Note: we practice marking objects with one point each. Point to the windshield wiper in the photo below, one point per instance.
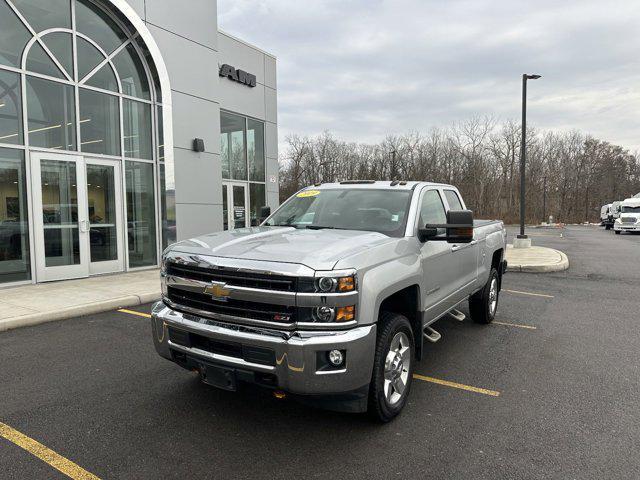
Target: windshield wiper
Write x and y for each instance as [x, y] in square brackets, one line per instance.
[321, 227]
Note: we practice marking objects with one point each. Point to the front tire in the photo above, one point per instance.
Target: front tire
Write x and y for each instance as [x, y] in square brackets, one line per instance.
[617, 232]
[483, 304]
[392, 368]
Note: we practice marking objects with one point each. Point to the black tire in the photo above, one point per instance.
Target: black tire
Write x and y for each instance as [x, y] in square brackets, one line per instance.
[607, 227]
[380, 407]
[480, 303]
[617, 232]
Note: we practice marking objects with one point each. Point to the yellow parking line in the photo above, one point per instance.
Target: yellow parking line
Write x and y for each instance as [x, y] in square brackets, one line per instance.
[514, 325]
[45, 454]
[461, 386]
[133, 312]
[528, 293]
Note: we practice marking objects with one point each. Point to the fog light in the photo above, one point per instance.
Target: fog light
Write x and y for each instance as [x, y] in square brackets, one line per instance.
[336, 358]
[325, 314]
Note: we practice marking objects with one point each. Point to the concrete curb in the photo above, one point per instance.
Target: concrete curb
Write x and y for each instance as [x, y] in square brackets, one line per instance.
[78, 310]
[561, 265]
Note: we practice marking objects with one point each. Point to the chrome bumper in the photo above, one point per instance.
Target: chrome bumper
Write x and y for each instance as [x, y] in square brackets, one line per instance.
[624, 227]
[295, 366]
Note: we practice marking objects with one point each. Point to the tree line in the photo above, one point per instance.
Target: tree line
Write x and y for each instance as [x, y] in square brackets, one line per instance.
[569, 175]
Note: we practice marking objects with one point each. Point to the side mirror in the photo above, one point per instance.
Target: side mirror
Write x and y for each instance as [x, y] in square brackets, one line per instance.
[264, 213]
[459, 228]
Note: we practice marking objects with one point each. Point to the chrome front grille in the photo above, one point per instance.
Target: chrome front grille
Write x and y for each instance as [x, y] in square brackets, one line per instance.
[266, 281]
[628, 219]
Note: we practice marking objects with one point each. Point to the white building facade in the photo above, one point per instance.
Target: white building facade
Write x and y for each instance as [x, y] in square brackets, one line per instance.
[125, 126]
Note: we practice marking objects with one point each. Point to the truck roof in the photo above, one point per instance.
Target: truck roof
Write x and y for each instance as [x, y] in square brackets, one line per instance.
[374, 184]
[630, 202]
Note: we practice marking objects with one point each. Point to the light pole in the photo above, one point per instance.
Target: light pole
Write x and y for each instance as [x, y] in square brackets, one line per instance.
[523, 148]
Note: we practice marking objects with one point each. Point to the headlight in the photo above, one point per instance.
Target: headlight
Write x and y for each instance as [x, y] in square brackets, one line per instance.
[336, 284]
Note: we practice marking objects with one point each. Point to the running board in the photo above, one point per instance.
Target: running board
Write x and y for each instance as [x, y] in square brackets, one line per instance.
[431, 335]
[457, 315]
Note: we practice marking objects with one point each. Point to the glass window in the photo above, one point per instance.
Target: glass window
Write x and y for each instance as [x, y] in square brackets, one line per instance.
[137, 130]
[58, 182]
[13, 37]
[168, 207]
[103, 234]
[453, 200]
[104, 78]
[141, 217]
[99, 123]
[232, 146]
[14, 225]
[97, 25]
[39, 61]
[256, 202]
[255, 149]
[42, 15]
[10, 111]
[151, 64]
[225, 208]
[160, 135]
[89, 57]
[432, 210]
[51, 114]
[132, 74]
[369, 210]
[60, 45]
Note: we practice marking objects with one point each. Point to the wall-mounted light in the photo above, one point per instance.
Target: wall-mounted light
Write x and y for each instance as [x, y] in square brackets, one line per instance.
[198, 145]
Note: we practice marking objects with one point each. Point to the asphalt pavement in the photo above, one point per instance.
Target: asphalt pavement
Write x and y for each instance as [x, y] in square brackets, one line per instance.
[562, 356]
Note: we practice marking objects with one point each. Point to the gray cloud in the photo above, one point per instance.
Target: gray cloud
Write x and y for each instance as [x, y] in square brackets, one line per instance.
[363, 69]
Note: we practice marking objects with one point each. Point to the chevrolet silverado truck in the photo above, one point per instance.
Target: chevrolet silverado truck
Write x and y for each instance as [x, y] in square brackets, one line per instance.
[332, 298]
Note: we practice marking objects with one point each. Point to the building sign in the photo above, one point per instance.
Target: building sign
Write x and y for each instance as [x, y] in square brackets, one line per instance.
[237, 75]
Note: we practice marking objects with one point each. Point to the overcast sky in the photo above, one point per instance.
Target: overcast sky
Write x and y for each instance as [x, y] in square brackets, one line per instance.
[363, 69]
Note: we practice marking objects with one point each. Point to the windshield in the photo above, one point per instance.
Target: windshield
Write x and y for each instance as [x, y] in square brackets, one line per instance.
[383, 211]
[626, 209]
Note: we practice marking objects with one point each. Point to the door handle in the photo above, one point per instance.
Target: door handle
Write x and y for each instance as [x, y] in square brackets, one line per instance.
[455, 248]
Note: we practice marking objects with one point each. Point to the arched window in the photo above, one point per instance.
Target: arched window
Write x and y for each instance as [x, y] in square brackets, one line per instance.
[75, 76]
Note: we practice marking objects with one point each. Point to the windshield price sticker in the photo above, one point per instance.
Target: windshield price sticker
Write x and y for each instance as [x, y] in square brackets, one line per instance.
[308, 193]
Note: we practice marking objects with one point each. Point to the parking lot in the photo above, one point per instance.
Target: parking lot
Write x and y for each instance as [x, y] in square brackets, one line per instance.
[550, 390]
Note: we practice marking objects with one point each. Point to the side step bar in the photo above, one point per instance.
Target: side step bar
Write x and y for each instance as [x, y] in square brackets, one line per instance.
[431, 335]
[457, 315]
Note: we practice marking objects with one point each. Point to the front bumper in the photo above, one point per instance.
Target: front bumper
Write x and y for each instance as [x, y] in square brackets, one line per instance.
[294, 365]
[626, 227]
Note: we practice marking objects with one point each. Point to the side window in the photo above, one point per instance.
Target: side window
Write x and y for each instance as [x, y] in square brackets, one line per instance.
[453, 200]
[432, 210]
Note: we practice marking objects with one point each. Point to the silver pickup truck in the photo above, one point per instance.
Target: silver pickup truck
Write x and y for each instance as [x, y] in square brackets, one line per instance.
[332, 298]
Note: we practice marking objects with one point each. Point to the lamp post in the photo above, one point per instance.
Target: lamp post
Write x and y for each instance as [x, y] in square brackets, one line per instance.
[523, 149]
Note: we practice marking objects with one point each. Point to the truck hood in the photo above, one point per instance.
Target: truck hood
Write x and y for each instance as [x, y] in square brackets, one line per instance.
[316, 249]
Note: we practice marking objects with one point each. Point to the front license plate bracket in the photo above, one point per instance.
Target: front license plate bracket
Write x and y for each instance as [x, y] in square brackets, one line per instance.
[220, 377]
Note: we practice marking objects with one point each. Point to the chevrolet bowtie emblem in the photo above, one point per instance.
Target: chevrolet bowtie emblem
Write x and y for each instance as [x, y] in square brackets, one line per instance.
[218, 291]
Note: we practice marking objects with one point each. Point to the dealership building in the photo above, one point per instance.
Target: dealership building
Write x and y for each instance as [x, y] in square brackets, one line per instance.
[126, 125]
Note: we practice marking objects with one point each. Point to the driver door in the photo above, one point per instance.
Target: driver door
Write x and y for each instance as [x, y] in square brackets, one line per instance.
[435, 256]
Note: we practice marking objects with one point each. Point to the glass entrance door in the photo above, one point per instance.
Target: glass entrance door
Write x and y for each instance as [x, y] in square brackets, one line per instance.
[78, 216]
[104, 212]
[61, 226]
[234, 205]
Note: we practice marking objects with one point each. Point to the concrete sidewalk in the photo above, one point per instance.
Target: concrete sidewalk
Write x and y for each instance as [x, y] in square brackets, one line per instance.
[46, 302]
[536, 260]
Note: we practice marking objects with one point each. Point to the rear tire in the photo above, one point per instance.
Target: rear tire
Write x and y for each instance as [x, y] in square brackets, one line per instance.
[392, 367]
[483, 304]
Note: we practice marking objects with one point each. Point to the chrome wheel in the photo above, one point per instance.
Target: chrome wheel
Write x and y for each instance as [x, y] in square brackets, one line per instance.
[396, 368]
[493, 296]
